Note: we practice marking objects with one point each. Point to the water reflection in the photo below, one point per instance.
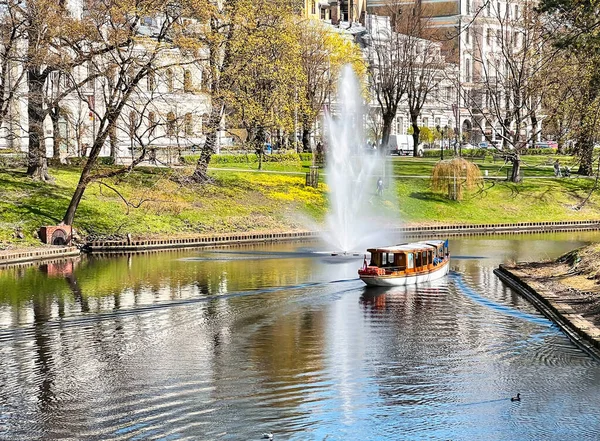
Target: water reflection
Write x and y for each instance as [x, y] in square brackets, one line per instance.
[221, 345]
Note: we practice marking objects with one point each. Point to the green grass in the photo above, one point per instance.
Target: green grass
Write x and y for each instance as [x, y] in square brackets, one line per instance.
[242, 201]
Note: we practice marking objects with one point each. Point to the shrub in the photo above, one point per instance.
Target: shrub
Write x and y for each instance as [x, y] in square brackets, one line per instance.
[250, 158]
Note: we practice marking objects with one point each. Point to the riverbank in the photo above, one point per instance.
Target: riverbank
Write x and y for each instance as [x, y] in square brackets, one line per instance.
[566, 290]
[158, 206]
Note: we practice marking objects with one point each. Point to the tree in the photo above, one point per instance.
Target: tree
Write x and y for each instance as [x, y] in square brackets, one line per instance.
[123, 59]
[12, 32]
[575, 29]
[505, 90]
[455, 175]
[323, 52]
[262, 78]
[388, 70]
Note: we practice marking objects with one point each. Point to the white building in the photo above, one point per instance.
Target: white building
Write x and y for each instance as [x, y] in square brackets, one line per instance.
[165, 113]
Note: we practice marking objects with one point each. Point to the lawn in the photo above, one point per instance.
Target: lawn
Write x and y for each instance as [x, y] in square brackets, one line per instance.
[277, 201]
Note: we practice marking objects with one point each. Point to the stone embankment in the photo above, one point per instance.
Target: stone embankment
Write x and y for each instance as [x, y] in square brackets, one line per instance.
[564, 294]
[11, 257]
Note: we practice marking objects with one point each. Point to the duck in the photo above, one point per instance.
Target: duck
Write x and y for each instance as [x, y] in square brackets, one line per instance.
[268, 436]
[517, 398]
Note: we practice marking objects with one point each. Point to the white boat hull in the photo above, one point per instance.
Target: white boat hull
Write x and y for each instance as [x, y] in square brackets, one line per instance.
[406, 280]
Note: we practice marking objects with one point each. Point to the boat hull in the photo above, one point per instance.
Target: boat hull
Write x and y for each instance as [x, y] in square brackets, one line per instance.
[391, 280]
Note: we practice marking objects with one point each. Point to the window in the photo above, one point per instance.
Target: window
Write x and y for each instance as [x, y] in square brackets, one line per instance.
[449, 93]
[410, 263]
[499, 37]
[498, 9]
[488, 37]
[488, 8]
[468, 35]
[399, 125]
[314, 7]
[169, 80]
[187, 81]
[467, 70]
[468, 7]
[516, 12]
[151, 123]
[133, 122]
[188, 124]
[515, 39]
[171, 124]
[425, 122]
[151, 81]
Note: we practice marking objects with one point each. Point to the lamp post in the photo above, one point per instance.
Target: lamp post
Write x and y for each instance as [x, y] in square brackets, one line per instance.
[441, 131]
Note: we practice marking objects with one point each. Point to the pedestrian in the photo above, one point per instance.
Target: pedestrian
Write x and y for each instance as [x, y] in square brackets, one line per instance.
[557, 168]
[379, 187]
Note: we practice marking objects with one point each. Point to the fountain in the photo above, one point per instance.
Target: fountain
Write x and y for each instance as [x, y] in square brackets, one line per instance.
[355, 219]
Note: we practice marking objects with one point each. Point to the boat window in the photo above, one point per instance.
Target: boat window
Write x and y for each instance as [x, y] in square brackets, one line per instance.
[425, 262]
[402, 261]
[430, 257]
[383, 261]
[390, 259]
[418, 260]
[409, 260]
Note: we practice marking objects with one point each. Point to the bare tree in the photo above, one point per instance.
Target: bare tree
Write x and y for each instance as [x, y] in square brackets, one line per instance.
[12, 32]
[387, 54]
[123, 64]
[504, 89]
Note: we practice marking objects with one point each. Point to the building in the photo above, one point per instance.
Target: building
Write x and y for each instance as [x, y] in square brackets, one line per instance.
[439, 107]
[472, 34]
[336, 11]
[165, 113]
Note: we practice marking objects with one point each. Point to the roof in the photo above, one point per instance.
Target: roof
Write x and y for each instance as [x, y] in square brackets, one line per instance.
[405, 247]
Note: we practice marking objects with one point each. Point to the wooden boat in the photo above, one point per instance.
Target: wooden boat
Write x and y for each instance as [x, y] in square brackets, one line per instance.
[406, 264]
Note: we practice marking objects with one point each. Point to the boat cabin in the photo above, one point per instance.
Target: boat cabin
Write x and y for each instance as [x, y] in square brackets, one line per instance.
[413, 257]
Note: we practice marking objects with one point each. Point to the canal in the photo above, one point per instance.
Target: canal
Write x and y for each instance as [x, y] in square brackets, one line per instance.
[228, 344]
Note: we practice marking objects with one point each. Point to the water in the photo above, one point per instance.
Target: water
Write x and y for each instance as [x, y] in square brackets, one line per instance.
[354, 220]
[229, 344]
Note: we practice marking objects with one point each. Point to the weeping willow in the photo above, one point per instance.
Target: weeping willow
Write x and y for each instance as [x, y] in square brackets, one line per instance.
[455, 176]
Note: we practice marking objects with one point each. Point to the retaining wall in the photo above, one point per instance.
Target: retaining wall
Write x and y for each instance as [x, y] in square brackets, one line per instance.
[414, 232]
[38, 254]
[582, 332]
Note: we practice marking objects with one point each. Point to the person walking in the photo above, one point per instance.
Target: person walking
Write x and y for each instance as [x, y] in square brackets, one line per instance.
[379, 187]
[557, 169]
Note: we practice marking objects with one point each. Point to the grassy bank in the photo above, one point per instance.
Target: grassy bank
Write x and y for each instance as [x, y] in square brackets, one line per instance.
[244, 201]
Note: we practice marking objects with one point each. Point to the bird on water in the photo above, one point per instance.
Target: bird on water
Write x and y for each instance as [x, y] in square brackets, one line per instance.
[268, 436]
[517, 398]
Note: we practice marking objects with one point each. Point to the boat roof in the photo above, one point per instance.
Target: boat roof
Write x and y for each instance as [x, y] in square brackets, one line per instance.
[405, 247]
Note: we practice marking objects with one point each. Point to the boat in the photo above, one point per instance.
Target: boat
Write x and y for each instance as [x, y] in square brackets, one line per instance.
[406, 264]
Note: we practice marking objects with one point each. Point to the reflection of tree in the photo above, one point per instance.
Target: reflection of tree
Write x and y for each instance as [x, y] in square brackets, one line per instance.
[288, 348]
[42, 312]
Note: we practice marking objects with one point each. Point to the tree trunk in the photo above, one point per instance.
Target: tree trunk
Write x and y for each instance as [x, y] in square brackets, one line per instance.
[84, 179]
[516, 169]
[200, 174]
[415, 135]
[113, 141]
[388, 120]
[306, 137]
[37, 166]
[56, 139]
[586, 154]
